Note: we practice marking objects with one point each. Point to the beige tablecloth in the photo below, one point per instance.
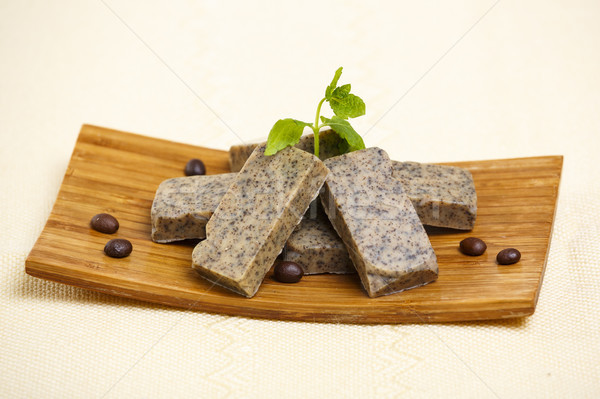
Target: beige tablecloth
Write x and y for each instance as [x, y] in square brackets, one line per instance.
[442, 81]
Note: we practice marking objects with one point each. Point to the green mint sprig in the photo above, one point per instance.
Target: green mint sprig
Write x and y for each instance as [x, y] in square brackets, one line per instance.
[287, 132]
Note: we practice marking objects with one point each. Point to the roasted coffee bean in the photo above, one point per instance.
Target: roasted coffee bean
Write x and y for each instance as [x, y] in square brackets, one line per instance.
[104, 223]
[194, 167]
[472, 246]
[508, 256]
[288, 272]
[118, 248]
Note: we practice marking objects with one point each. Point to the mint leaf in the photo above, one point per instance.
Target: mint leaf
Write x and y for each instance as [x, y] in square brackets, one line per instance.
[333, 85]
[344, 104]
[343, 128]
[340, 92]
[349, 106]
[285, 133]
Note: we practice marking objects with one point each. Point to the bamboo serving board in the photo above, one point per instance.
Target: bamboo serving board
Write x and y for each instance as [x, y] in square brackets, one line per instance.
[118, 173]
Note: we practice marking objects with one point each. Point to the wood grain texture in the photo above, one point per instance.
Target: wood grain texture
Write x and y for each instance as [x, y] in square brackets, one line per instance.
[118, 173]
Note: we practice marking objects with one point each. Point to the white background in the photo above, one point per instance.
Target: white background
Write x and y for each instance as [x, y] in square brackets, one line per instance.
[443, 81]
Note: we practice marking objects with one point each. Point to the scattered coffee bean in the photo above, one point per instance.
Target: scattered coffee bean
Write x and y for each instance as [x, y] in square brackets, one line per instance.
[288, 272]
[118, 248]
[508, 256]
[104, 223]
[472, 246]
[194, 167]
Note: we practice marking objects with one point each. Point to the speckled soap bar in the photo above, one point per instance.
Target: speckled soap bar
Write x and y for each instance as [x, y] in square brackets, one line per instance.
[443, 196]
[316, 247]
[376, 220]
[256, 216]
[183, 205]
[328, 147]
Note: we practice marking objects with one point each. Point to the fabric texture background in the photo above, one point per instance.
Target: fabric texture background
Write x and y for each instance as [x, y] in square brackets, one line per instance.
[443, 81]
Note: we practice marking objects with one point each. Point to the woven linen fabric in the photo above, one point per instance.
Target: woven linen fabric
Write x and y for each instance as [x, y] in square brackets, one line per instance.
[443, 81]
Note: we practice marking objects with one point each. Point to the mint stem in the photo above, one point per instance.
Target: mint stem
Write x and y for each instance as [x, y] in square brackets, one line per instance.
[315, 128]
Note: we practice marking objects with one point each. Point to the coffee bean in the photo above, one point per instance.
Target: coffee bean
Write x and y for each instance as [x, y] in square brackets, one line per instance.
[118, 248]
[104, 223]
[288, 272]
[508, 256]
[194, 167]
[472, 246]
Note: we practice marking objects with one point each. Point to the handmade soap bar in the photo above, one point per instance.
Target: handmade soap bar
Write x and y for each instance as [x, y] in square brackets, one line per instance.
[328, 147]
[376, 220]
[316, 247]
[443, 196]
[183, 205]
[256, 216]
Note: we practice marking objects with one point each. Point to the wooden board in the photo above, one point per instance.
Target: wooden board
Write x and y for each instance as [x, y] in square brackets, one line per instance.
[118, 173]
